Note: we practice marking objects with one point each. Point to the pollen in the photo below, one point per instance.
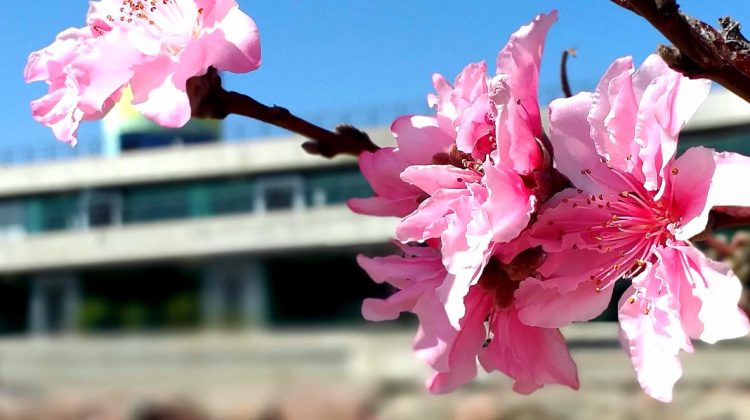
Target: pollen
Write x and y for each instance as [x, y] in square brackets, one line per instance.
[675, 171]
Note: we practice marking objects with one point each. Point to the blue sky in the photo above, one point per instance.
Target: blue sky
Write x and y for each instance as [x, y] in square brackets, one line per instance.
[337, 57]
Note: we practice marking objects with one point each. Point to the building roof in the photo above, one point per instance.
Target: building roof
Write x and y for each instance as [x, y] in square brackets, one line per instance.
[209, 160]
[722, 109]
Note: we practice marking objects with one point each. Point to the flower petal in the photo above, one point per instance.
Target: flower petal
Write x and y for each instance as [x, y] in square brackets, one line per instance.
[398, 270]
[613, 115]
[432, 178]
[702, 179]
[532, 356]
[709, 295]
[393, 197]
[451, 102]
[520, 60]
[543, 304]
[419, 138]
[575, 154]
[238, 50]
[466, 345]
[652, 350]
[509, 203]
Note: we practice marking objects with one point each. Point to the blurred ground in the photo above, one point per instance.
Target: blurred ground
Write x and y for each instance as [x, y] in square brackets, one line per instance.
[359, 375]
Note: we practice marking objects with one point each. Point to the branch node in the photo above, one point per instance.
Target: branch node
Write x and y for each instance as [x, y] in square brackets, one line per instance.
[208, 99]
[700, 50]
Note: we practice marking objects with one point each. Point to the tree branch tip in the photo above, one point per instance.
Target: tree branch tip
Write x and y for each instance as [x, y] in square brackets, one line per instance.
[311, 147]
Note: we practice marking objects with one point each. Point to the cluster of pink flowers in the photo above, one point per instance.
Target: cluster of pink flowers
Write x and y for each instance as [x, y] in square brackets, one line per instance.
[495, 257]
[151, 46]
[507, 233]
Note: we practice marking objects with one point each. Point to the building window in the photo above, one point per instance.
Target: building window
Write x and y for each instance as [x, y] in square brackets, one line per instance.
[279, 193]
[154, 203]
[336, 187]
[12, 219]
[103, 208]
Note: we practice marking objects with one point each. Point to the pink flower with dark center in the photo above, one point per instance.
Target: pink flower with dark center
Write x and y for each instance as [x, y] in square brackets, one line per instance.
[464, 182]
[633, 215]
[490, 331]
[151, 46]
[465, 177]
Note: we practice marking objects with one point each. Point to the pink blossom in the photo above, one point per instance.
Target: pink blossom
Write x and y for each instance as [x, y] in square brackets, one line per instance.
[633, 215]
[460, 177]
[153, 47]
[490, 331]
[463, 181]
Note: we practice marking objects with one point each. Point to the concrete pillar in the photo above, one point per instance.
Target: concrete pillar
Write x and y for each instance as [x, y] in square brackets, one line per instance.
[37, 318]
[235, 290]
[54, 303]
[211, 299]
[255, 295]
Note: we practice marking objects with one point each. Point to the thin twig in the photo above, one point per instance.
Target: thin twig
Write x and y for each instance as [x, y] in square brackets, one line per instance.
[564, 71]
[699, 51]
[208, 99]
[723, 249]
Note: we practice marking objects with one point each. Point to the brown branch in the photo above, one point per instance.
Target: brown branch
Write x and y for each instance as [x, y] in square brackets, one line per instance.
[724, 217]
[699, 51]
[208, 99]
[564, 71]
[728, 216]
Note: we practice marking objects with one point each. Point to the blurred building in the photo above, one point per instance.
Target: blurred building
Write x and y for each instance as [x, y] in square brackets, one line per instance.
[176, 229]
[169, 231]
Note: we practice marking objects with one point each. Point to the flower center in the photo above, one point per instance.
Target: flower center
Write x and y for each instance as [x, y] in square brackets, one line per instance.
[502, 280]
[459, 159]
[626, 226]
[495, 281]
[171, 18]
